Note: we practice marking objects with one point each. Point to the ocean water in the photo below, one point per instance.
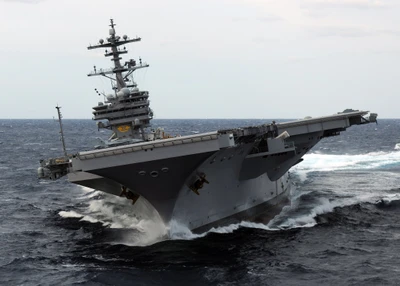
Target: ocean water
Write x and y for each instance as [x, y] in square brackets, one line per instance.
[341, 228]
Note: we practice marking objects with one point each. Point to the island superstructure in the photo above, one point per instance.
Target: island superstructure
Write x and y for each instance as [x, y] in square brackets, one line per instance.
[200, 180]
[126, 110]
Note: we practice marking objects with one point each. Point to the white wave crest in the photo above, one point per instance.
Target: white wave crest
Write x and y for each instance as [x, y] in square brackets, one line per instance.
[86, 189]
[119, 213]
[90, 194]
[326, 162]
[295, 217]
[178, 231]
[391, 197]
[397, 146]
[70, 214]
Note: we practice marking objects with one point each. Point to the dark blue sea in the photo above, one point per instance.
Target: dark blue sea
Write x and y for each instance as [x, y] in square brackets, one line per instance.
[341, 228]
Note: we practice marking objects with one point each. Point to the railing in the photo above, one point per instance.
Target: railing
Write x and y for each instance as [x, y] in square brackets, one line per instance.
[114, 70]
[147, 146]
[289, 144]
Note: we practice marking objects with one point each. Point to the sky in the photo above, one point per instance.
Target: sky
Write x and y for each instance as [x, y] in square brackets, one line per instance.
[208, 58]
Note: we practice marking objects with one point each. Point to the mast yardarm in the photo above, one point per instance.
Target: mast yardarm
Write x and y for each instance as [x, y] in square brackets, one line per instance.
[126, 112]
[114, 42]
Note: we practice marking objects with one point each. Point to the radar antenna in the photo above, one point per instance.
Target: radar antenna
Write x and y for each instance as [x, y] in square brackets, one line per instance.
[61, 130]
[126, 111]
[121, 71]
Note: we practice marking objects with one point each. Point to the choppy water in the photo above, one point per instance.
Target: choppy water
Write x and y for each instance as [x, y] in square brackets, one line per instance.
[342, 228]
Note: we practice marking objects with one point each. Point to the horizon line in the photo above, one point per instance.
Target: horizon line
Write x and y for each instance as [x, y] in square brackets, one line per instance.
[274, 118]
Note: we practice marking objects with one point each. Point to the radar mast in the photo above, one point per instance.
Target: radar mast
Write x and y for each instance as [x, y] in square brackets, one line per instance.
[126, 111]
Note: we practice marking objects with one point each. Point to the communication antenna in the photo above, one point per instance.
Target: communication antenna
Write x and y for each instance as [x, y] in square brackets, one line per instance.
[101, 93]
[61, 130]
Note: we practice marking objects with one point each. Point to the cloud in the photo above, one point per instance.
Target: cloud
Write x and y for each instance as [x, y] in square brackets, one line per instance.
[389, 32]
[299, 59]
[352, 31]
[24, 1]
[344, 4]
[342, 31]
[270, 18]
[263, 40]
[265, 19]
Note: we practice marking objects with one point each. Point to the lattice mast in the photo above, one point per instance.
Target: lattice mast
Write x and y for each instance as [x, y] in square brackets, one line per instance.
[127, 110]
[61, 130]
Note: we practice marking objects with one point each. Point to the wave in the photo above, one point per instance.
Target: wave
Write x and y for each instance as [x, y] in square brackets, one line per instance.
[70, 214]
[307, 203]
[150, 231]
[327, 162]
[89, 193]
[179, 231]
[119, 214]
[392, 201]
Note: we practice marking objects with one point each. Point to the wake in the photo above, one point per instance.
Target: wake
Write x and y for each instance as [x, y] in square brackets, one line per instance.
[327, 162]
[119, 214]
[307, 201]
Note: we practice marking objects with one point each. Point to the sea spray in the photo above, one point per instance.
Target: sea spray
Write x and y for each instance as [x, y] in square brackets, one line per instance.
[328, 162]
[147, 228]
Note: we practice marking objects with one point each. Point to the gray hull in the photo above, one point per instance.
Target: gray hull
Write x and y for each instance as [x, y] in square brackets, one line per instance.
[224, 199]
[200, 180]
[213, 178]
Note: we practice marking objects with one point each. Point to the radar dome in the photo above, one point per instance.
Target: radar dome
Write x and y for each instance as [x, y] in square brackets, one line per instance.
[101, 41]
[126, 91]
[125, 37]
[110, 96]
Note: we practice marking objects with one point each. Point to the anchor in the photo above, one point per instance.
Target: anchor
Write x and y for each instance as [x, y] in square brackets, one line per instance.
[125, 192]
[199, 183]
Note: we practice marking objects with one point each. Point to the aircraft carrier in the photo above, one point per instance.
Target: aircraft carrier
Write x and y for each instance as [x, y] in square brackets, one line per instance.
[202, 180]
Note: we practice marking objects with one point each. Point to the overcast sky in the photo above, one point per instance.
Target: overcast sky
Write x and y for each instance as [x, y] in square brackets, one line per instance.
[208, 58]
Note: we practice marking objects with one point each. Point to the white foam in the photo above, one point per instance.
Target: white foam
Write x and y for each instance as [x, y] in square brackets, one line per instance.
[327, 162]
[290, 218]
[391, 197]
[35, 143]
[86, 189]
[363, 188]
[301, 174]
[119, 213]
[397, 146]
[68, 265]
[91, 219]
[90, 195]
[179, 231]
[295, 217]
[70, 214]
[231, 228]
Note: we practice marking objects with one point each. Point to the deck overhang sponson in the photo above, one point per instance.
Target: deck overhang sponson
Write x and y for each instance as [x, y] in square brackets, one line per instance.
[339, 121]
[151, 151]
